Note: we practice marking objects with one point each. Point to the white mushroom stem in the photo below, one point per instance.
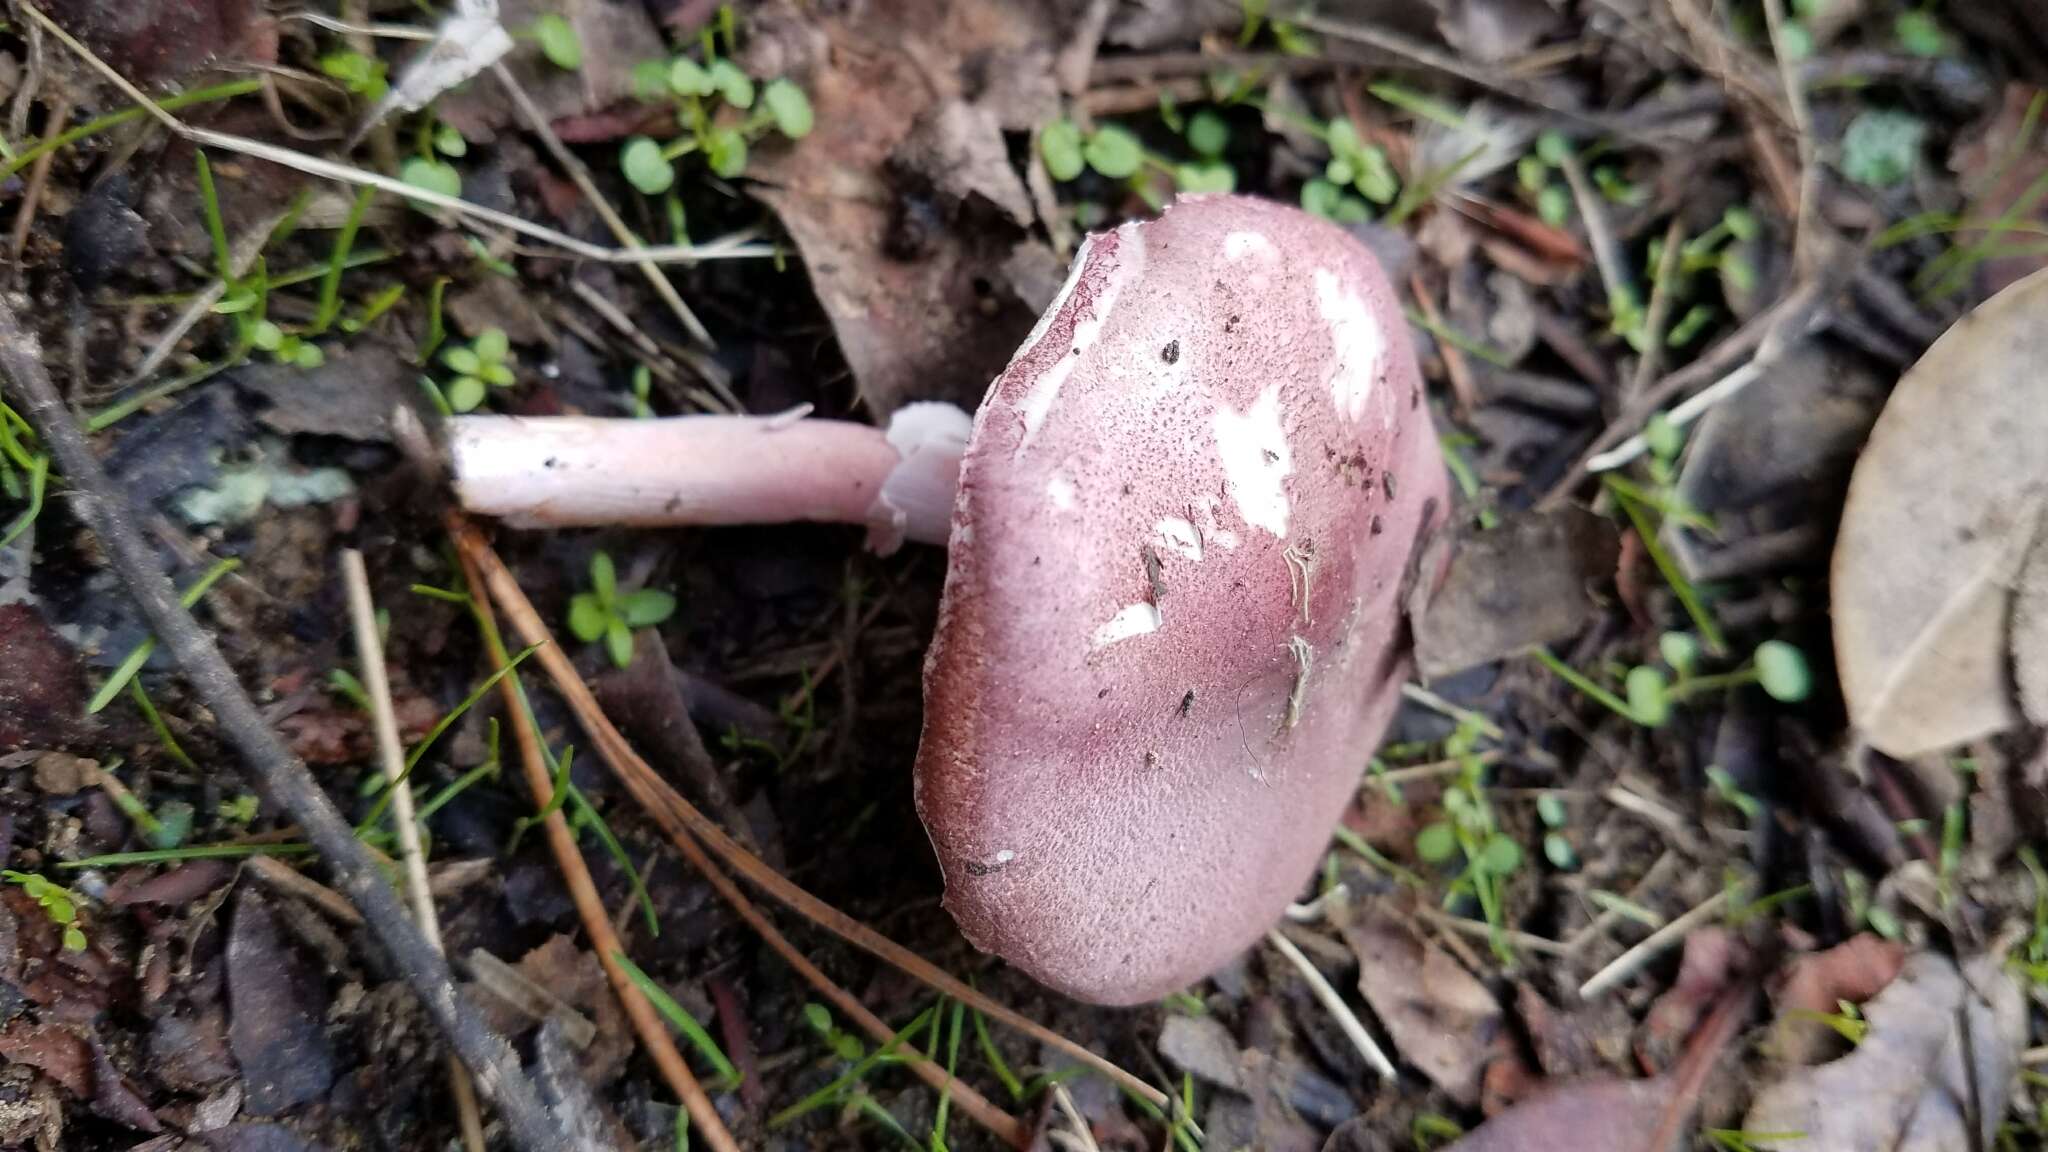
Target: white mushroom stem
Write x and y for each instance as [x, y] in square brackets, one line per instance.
[565, 471]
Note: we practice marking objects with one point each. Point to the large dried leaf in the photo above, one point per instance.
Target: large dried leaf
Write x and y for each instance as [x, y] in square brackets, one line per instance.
[1943, 507]
[1905, 1085]
[905, 247]
[1587, 1116]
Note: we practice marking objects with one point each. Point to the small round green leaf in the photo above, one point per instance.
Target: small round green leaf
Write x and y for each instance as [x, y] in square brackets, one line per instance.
[1343, 138]
[618, 641]
[1679, 650]
[1552, 148]
[686, 77]
[1558, 851]
[266, 335]
[1198, 178]
[1795, 41]
[1649, 696]
[558, 41]
[647, 607]
[650, 79]
[1436, 842]
[1339, 171]
[1782, 671]
[493, 345]
[818, 1017]
[498, 376]
[432, 175]
[1550, 809]
[1532, 173]
[308, 355]
[1501, 856]
[604, 579]
[1375, 180]
[1114, 152]
[1664, 438]
[74, 939]
[726, 151]
[1320, 197]
[1920, 33]
[645, 167]
[463, 359]
[1059, 144]
[734, 85]
[465, 393]
[449, 142]
[1554, 205]
[587, 617]
[1208, 133]
[789, 107]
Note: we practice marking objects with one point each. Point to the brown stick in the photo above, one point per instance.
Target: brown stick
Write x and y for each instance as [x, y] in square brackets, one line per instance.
[32, 197]
[685, 825]
[647, 1023]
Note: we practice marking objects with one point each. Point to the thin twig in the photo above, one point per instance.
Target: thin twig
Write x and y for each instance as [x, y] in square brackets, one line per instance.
[1347, 1020]
[1082, 1134]
[1804, 237]
[1611, 916]
[1462, 389]
[580, 175]
[1528, 941]
[283, 878]
[271, 768]
[685, 827]
[362, 613]
[32, 196]
[1607, 254]
[647, 1023]
[733, 247]
[1650, 947]
[1435, 703]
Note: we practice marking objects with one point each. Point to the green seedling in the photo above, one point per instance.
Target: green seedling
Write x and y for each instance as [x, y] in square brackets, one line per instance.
[1356, 174]
[603, 614]
[680, 1019]
[1287, 37]
[1650, 692]
[57, 901]
[1556, 848]
[844, 1088]
[246, 299]
[24, 473]
[1433, 1130]
[140, 654]
[1537, 174]
[1115, 153]
[941, 1116]
[845, 1045]
[721, 113]
[558, 41]
[482, 364]
[1728, 792]
[1919, 33]
[1847, 1020]
[1867, 912]
[360, 73]
[1470, 832]
[240, 810]
[643, 385]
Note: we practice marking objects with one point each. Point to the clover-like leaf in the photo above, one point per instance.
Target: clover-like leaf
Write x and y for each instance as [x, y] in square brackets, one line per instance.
[1436, 842]
[1501, 856]
[646, 608]
[1649, 696]
[618, 640]
[686, 77]
[493, 345]
[734, 85]
[432, 175]
[1782, 671]
[645, 168]
[1114, 152]
[1205, 178]
[463, 358]
[726, 151]
[1208, 133]
[558, 41]
[604, 580]
[789, 107]
[587, 617]
[464, 393]
[1059, 145]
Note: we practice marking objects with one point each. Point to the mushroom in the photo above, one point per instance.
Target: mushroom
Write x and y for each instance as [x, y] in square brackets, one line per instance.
[1171, 634]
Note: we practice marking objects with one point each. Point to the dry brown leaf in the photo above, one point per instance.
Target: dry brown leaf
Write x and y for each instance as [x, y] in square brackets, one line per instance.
[919, 304]
[1513, 587]
[1854, 971]
[1589, 1116]
[1942, 509]
[1905, 1085]
[1440, 1016]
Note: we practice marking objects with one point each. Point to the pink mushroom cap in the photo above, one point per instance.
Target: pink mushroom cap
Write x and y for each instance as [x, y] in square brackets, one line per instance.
[1172, 634]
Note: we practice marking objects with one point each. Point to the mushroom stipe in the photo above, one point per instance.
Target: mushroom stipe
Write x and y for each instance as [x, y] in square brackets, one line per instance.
[1171, 633]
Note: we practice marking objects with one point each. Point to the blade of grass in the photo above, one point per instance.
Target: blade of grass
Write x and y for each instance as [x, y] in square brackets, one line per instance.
[853, 1075]
[133, 662]
[192, 852]
[94, 127]
[680, 1019]
[330, 285]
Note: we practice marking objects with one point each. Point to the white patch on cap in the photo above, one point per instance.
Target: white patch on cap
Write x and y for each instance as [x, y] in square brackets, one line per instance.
[1060, 489]
[1180, 536]
[1044, 391]
[1140, 619]
[1256, 460]
[1205, 519]
[1356, 339]
[1238, 245]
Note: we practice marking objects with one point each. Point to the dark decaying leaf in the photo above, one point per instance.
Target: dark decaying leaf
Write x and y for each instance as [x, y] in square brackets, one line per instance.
[1905, 1085]
[42, 686]
[1524, 583]
[1588, 1116]
[277, 1028]
[151, 41]
[917, 303]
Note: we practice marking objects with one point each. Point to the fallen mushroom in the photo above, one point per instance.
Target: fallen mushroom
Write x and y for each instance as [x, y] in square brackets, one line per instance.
[1171, 631]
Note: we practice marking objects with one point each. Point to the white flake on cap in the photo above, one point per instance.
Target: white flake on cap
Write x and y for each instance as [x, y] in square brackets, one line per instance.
[1180, 536]
[1357, 340]
[1140, 619]
[1038, 401]
[1256, 460]
[1238, 245]
[1060, 489]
